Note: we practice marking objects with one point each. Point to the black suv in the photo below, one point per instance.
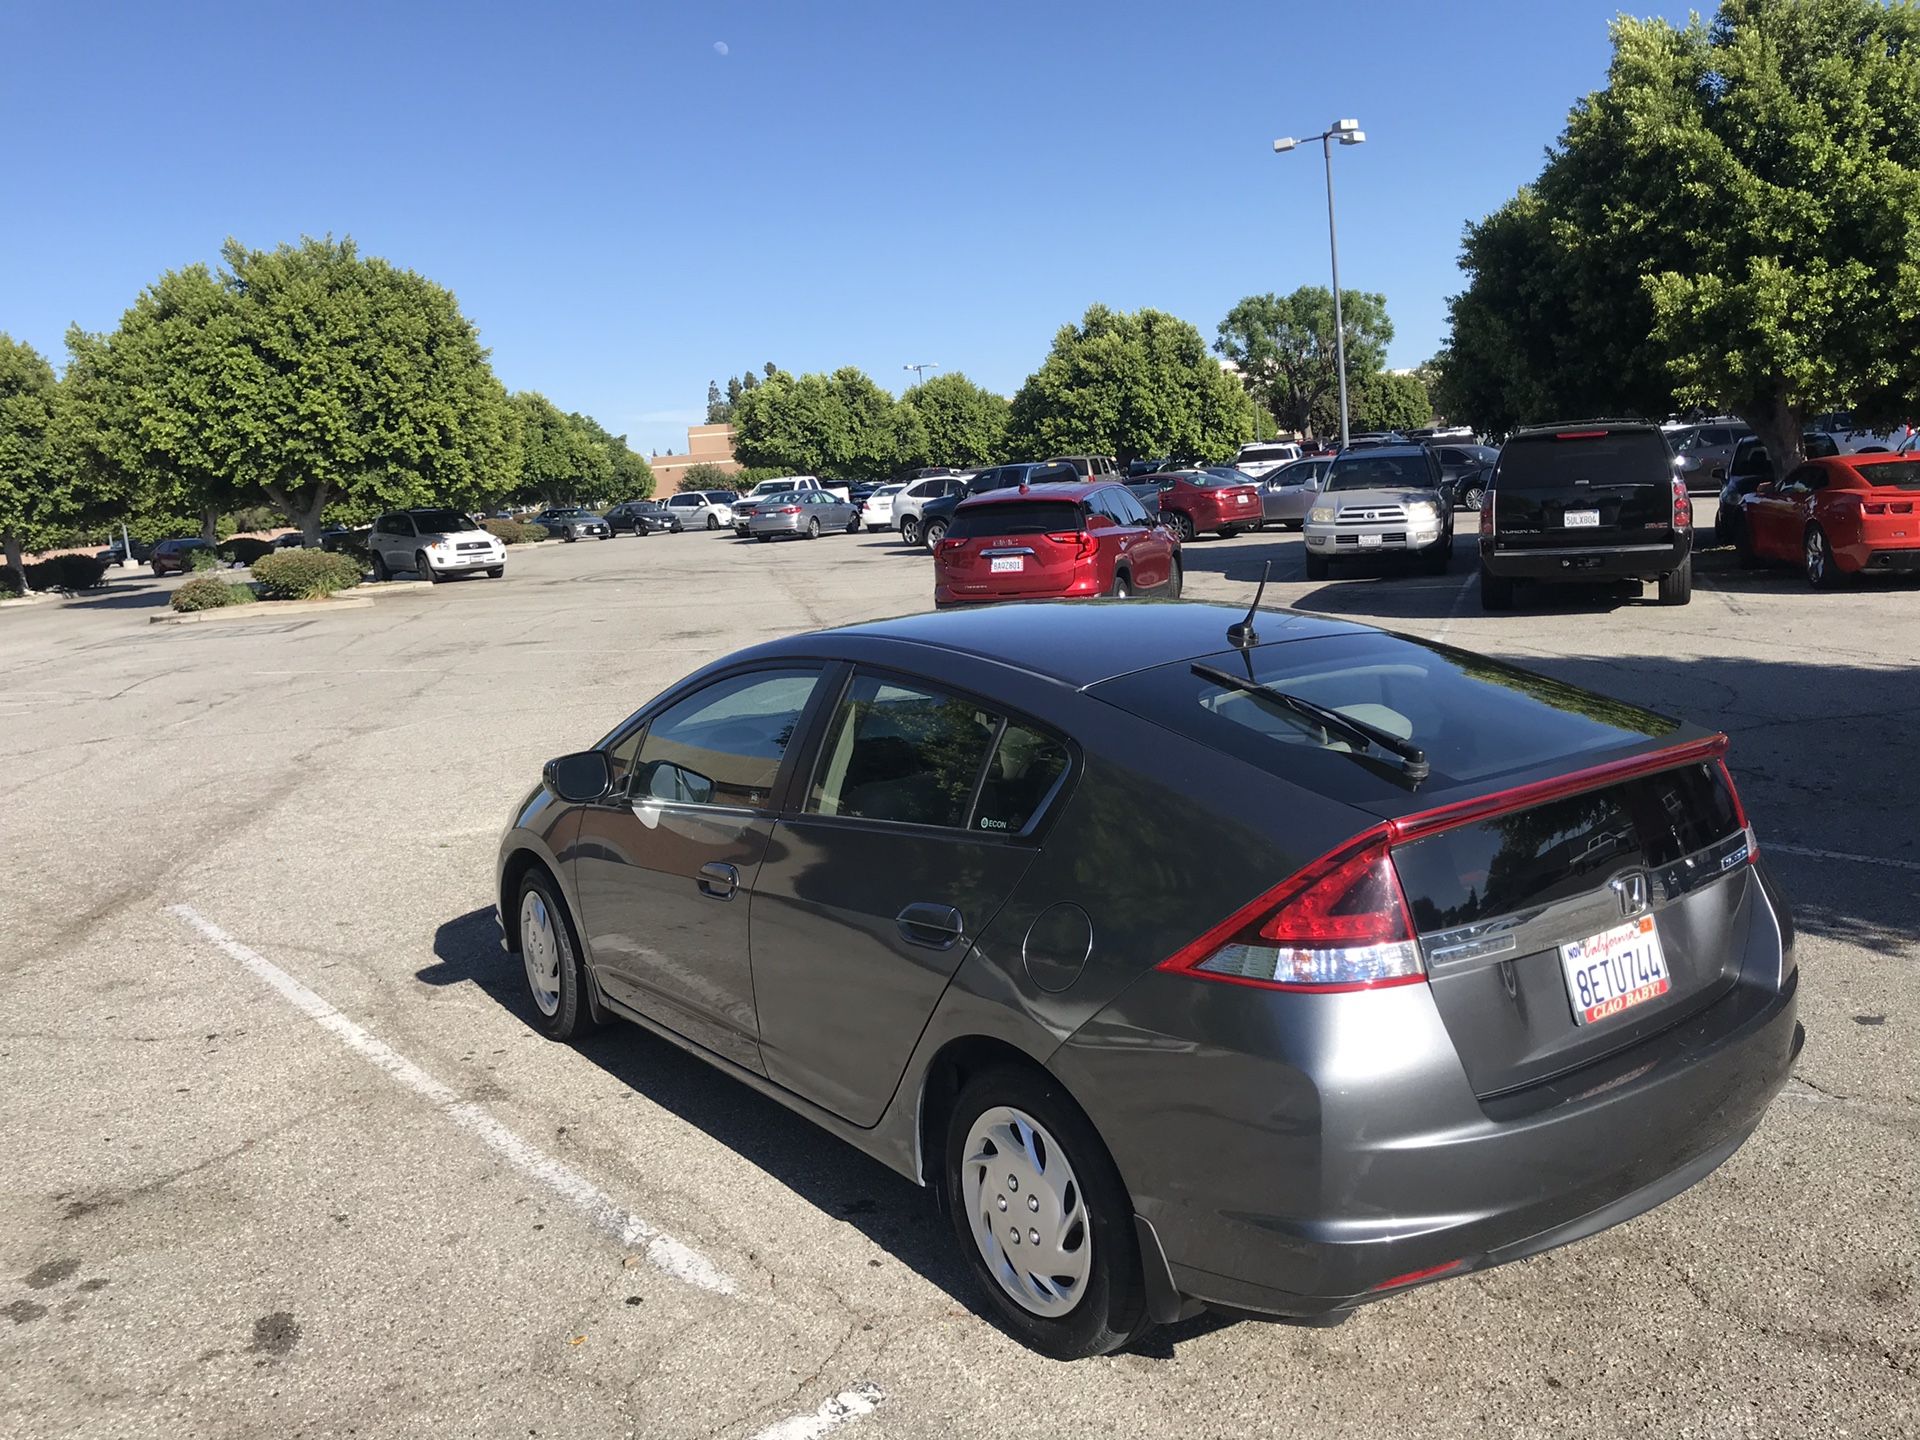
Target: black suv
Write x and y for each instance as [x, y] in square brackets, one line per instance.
[1589, 501]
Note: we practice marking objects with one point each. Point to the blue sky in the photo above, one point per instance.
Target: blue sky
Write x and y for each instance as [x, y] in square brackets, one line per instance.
[626, 211]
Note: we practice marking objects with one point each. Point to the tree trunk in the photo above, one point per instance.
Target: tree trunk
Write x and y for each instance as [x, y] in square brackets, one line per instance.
[307, 518]
[210, 524]
[17, 562]
[1779, 426]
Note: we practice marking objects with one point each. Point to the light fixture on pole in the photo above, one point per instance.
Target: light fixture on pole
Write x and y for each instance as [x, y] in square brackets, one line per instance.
[1347, 132]
[919, 372]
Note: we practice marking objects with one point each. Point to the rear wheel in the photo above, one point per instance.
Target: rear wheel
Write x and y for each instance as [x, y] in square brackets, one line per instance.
[1317, 566]
[1472, 496]
[910, 529]
[1042, 1216]
[380, 571]
[1822, 573]
[1183, 526]
[1496, 591]
[1676, 587]
[936, 532]
[1227, 532]
[1743, 545]
[813, 527]
[1122, 586]
[853, 526]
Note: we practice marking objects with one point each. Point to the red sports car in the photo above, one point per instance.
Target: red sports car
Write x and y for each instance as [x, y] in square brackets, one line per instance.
[1839, 516]
[1054, 542]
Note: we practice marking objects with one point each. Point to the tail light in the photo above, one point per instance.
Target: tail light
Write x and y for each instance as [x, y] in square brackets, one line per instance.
[789, 510]
[1085, 546]
[1739, 811]
[1869, 506]
[1341, 924]
[1682, 506]
[1487, 502]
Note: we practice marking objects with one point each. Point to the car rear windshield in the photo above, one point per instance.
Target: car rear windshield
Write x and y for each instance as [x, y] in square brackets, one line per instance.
[1561, 460]
[440, 522]
[1476, 719]
[1269, 452]
[1893, 475]
[1380, 472]
[1014, 517]
[1214, 479]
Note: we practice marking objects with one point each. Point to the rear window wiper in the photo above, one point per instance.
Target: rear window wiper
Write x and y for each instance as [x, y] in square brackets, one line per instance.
[1355, 732]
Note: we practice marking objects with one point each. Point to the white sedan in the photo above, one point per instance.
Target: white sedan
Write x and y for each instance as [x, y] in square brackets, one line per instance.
[876, 513]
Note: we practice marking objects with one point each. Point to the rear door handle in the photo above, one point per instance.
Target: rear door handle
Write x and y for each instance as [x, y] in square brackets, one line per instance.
[719, 880]
[937, 927]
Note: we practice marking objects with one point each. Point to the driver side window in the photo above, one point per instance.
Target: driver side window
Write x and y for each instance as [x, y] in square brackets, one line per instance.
[724, 743]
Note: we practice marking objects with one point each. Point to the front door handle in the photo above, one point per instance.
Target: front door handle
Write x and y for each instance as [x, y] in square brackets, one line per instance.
[719, 880]
[937, 927]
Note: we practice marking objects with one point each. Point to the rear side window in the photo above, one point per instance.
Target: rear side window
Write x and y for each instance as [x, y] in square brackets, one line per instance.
[1894, 474]
[1550, 461]
[1027, 764]
[1014, 517]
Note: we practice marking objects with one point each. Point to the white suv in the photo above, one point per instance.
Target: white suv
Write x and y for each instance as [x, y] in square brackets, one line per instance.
[433, 544]
[703, 509]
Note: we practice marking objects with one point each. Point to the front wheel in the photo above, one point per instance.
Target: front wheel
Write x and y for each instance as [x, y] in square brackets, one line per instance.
[426, 571]
[1440, 557]
[496, 572]
[713, 522]
[1042, 1216]
[936, 532]
[556, 980]
[1317, 566]
[1822, 573]
[910, 530]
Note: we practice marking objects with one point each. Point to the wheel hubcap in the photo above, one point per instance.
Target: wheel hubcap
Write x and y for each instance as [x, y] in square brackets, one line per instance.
[1029, 1217]
[540, 950]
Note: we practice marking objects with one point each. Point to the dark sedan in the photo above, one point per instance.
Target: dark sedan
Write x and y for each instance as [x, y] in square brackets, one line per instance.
[175, 557]
[1425, 963]
[643, 518]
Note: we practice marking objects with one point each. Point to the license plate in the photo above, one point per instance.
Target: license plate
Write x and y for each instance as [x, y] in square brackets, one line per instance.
[1581, 519]
[1004, 564]
[1367, 542]
[1615, 970]
[1243, 499]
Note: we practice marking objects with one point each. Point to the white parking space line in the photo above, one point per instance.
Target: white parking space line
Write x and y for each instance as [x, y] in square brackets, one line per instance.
[1459, 600]
[1842, 856]
[847, 1405]
[664, 1252]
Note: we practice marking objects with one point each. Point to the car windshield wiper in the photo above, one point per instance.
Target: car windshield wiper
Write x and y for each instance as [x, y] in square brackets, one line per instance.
[1413, 758]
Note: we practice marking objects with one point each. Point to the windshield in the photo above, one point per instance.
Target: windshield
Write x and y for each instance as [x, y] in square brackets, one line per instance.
[440, 522]
[1380, 472]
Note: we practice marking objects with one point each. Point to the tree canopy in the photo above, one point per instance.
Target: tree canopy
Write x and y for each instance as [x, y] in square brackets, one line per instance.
[1130, 384]
[33, 495]
[949, 420]
[1732, 222]
[841, 425]
[1385, 401]
[1283, 347]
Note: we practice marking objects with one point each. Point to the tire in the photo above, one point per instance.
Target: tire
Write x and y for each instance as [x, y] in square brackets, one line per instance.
[1227, 532]
[764, 539]
[1743, 549]
[936, 532]
[713, 522]
[1823, 572]
[425, 571]
[853, 526]
[1122, 586]
[571, 536]
[1183, 527]
[813, 527]
[1318, 566]
[1496, 591]
[1174, 581]
[910, 530]
[1440, 559]
[1676, 587]
[550, 959]
[496, 572]
[1014, 1137]
[380, 571]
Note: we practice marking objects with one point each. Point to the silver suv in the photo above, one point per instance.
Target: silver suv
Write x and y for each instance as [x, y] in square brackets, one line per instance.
[1381, 500]
[703, 509]
[433, 544]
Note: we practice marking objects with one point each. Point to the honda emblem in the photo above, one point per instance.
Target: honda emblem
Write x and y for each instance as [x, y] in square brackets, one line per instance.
[1632, 890]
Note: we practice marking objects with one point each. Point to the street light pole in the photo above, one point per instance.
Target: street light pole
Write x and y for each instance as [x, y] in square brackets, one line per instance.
[1347, 132]
[919, 372]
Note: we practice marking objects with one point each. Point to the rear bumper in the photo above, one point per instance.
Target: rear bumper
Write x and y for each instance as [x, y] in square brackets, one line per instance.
[786, 525]
[1576, 564]
[1298, 1181]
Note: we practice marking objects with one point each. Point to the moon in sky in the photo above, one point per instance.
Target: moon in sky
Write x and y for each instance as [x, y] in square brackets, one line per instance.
[719, 47]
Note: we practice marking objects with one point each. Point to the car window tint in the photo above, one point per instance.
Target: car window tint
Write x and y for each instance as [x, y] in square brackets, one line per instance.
[1126, 509]
[1557, 461]
[731, 735]
[1014, 517]
[1025, 769]
[901, 753]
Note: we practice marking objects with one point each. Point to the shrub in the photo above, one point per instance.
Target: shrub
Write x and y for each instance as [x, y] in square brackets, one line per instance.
[242, 550]
[201, 561]
[513, 532]
[305, 574]
[205, 592]
[9, 583]
[67, 572]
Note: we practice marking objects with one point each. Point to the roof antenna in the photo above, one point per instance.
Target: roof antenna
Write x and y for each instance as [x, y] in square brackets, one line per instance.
[1241, 636]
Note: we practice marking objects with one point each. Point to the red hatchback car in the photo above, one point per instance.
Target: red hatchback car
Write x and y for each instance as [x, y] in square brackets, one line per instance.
[1052, 542]
[1198, 500]
[1836, 517]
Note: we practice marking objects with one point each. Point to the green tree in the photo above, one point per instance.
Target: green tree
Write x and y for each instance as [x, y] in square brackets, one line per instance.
[1730, 220]
[1385, 401]
[561, 456]
[840, 425]
[706, 476]
[1131, 384]
[1283, 347]
[33, 495]
[720, 410]
[628, 476]
[949, 420]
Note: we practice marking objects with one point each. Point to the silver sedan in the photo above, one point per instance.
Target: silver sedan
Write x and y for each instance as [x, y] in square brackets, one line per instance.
[1287, 494]
[801, 514]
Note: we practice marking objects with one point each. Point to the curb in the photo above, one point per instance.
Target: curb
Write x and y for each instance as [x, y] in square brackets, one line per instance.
[280, 608]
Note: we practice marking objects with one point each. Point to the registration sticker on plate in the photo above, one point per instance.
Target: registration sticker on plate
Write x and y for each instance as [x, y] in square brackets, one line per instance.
[1615, 970]
[1581, 519]
[1003, 563]
[1369, 541]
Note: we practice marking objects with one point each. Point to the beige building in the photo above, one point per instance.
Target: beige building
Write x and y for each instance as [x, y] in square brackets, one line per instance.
[706, 445]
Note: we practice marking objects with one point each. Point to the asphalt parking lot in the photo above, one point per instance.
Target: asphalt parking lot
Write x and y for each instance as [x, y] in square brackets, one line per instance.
[284, 1156]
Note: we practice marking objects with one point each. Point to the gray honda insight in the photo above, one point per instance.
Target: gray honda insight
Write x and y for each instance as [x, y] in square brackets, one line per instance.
[1188, 966]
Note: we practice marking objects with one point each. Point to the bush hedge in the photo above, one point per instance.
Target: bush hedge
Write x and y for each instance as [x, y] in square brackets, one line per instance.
[514, 532]
[67, 572]
[244, 549]
[305, 574]
[204, 592]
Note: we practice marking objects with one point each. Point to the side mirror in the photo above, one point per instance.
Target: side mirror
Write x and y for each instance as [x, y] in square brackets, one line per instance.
[580, 777]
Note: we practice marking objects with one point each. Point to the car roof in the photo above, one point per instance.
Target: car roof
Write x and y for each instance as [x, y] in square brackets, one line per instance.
[1560, 426]
[1079, 642]
[1045, 490]
[1387, 452]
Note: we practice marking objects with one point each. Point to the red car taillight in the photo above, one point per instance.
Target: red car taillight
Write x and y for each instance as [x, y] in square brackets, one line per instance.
[1340, 924]
[1740, 812]
[1085, 545]
[1682, 506]
[788, 510]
